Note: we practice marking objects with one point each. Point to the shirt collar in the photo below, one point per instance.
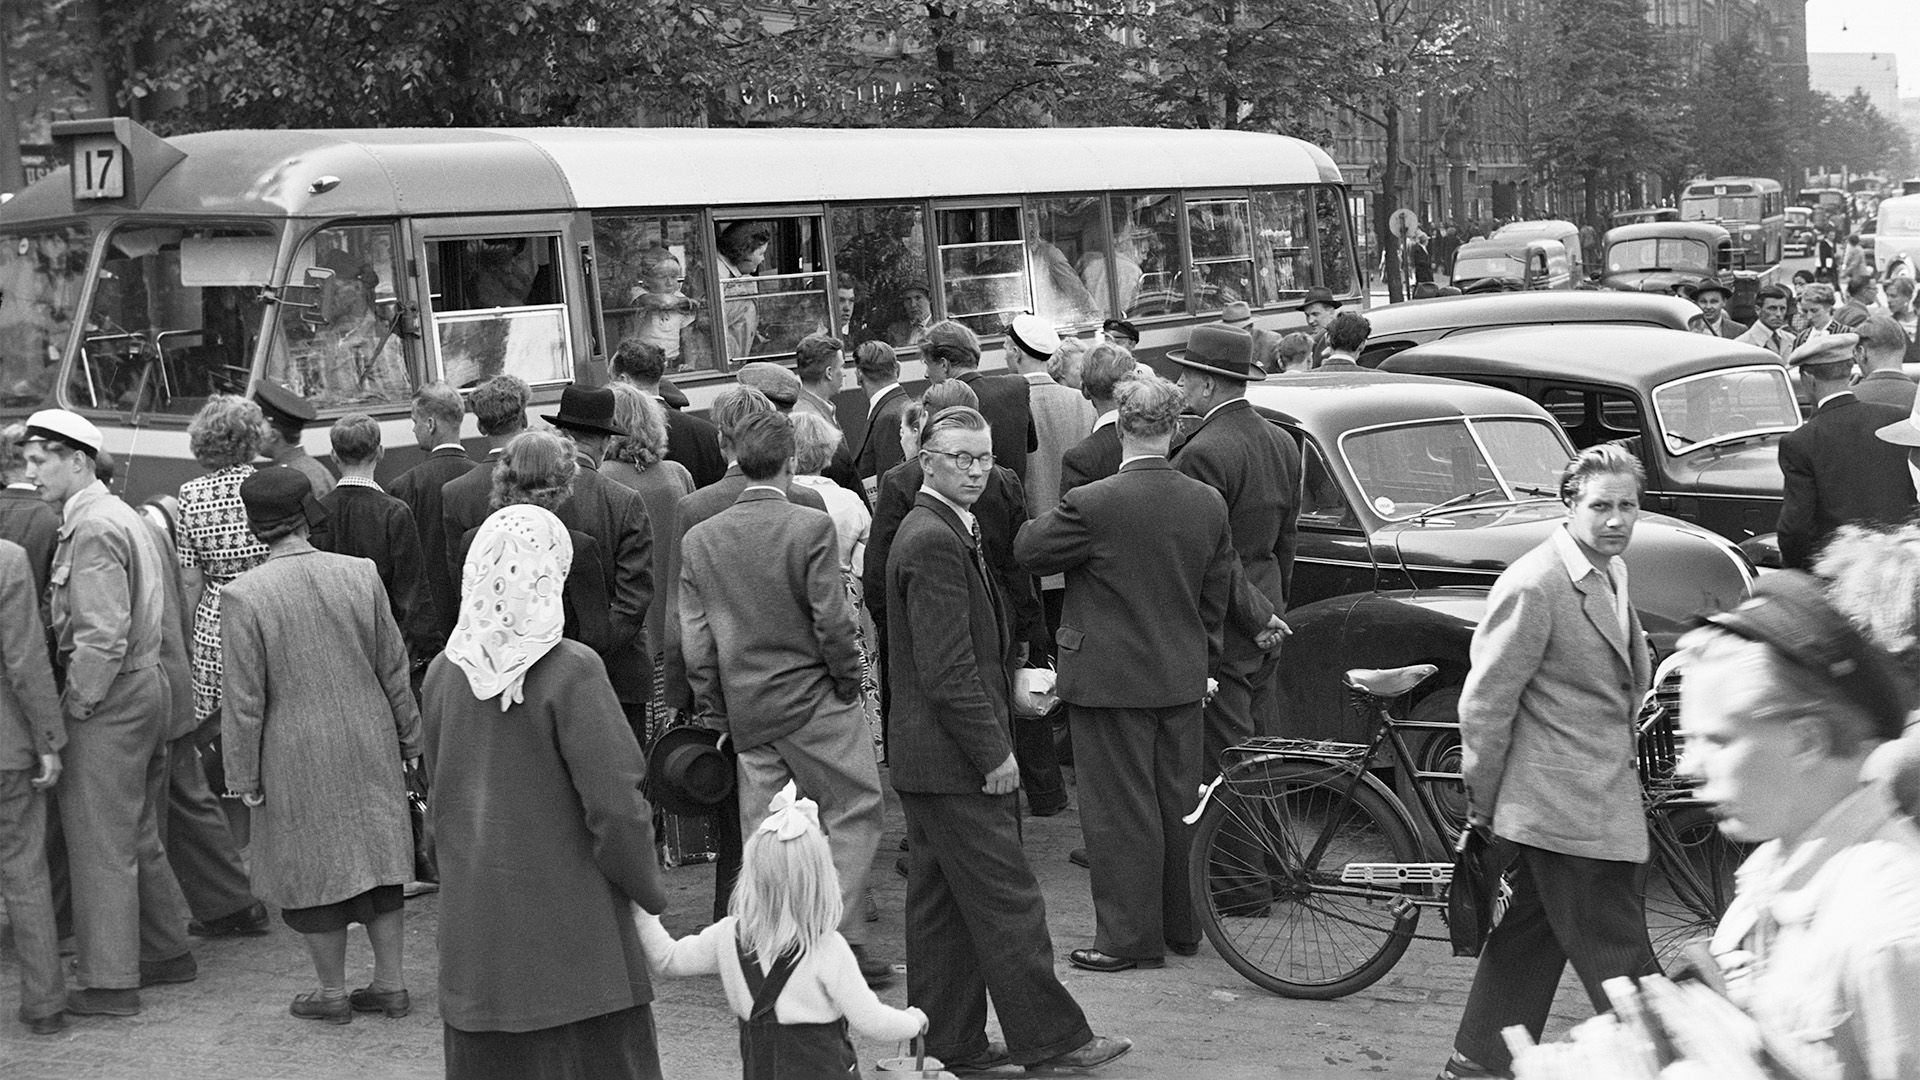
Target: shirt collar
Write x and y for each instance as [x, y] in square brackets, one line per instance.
[1108, 417]
[763, 487]
[1220, 406]
[1125, 461]
[1574, 557]
[358, 481]
[1830, 397]
[455, 445]
[881, 395]
[966, 515]
[1038, 378]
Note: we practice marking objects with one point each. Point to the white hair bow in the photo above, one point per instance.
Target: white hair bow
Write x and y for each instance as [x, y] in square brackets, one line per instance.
[789, 815]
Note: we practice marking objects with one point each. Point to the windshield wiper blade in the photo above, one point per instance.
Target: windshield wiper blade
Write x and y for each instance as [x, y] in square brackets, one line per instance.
[1445, 504]
[1529, 489]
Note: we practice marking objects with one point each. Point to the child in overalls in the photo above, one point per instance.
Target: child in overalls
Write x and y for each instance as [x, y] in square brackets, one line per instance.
[795, 1007]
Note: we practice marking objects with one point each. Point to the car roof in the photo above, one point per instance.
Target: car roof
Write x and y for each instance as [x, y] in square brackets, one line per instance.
[1501, 309]
[1331, 403]
[1696, 230]
[1642, 356]
[1504, 245]
[1546, 227]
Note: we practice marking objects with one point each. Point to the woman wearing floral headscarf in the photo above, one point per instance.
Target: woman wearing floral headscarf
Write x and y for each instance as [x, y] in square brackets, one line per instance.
[543, 837]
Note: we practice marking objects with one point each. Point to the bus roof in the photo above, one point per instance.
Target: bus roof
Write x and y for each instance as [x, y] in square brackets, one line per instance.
[1733, 184]
[392, 171]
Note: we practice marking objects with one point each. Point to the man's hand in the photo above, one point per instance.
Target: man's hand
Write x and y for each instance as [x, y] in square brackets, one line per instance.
[1276, 632]
[1213, 687]
[49, 773]
[1020, 655]
[1005, 779]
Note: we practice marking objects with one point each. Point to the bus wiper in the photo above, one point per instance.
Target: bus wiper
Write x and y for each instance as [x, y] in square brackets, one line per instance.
[1445, 504]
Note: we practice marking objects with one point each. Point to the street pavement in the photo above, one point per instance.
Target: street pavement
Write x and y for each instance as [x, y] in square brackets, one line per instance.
[1196, 1018]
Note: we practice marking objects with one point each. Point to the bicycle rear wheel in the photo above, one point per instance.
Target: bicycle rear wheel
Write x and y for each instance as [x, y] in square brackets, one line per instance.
[1288, 927]
[1689, 878]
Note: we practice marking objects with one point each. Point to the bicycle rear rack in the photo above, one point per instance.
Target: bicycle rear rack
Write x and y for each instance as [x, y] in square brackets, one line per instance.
[1262, 746]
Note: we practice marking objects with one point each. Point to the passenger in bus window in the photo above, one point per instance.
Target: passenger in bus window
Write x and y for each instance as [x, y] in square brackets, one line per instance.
[1127, 273]
[352, 356]
[1059, 296]
[507, 273]
[742, 247]
[663, 312]
[912, 328]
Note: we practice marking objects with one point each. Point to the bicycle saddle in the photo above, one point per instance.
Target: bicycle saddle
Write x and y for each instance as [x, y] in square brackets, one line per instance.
[1389, 682]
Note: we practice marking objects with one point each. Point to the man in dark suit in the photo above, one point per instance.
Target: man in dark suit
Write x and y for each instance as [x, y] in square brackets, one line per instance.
[691, 441]
[614, 516]
[951, 351]
[1150, 570]
[1097, 456]
[437, 413]
[367, 523]
[768, 635]
[876, 447]
[1256, 468]
[1836, 472]
[975, 922]
[1883, 349]
[500, 407]
[25, 517]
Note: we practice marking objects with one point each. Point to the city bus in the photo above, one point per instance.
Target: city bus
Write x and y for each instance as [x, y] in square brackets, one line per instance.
[1752, 209]
[349, 266]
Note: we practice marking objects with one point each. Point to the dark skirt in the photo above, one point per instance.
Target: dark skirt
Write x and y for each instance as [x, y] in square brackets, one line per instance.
[616, 1046]
[325, 919]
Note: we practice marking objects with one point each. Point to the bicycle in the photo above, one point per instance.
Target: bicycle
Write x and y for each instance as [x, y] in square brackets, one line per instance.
[1309, 872]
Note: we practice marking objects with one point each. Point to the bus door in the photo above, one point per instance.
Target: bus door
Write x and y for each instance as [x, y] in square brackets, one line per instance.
[497, 298]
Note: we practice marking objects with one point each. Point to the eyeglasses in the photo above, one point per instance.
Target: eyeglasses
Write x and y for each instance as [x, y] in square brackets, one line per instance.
[964, 460]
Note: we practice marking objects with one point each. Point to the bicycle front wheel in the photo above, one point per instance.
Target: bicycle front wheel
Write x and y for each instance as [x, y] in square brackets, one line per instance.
[1689, 878]
[1277, 913]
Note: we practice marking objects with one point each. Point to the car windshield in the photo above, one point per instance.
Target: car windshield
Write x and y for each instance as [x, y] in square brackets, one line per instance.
[1410, 468]
[40, 276]
[1720, 406]
[1509, 266]
[1659, 253]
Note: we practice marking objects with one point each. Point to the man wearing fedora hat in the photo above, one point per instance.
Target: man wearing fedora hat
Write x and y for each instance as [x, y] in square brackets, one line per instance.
[1256, 468]
[1835, 471]
[1266, 343]
[614, 516]
[288, 414]
[129, 916]
[1711, 298]
[1319, 306]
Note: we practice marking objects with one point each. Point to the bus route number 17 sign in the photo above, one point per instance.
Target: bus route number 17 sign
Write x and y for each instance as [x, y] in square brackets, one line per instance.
[99, 168]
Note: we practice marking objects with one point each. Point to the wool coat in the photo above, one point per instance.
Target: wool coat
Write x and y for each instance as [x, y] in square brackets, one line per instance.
[1835, 472]
[317, 713]
[1256, 468]
[421, 488]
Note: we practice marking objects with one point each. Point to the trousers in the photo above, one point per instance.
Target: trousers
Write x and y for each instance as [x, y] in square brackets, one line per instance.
[29, 894]
[199, 843]
[1245, 705]
[1139, 777]
[1591, 912]
[830, 759]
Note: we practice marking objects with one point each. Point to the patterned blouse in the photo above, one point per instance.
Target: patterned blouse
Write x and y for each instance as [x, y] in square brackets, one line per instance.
[214, 539]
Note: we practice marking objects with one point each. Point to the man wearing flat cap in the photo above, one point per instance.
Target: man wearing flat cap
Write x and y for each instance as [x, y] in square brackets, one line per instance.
[1836, 471]
[106, 597]
[287, 415]
[952, 351]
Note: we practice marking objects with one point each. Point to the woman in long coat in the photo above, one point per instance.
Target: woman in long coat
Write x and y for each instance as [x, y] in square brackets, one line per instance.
[545, 841]
[317, 716]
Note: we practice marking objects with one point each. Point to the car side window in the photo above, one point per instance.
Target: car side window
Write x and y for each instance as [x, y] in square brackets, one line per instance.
[1591, 415]
[1322, 503]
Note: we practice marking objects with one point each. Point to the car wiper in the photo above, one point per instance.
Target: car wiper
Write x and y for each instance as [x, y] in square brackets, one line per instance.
[1445, 504]
[1529, 489]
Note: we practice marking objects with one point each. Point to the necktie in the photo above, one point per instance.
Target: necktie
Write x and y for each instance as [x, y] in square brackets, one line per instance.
[980, 564]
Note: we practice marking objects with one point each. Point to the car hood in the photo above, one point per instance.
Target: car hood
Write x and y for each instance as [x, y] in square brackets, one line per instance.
[1749, 468]
[1678, 571]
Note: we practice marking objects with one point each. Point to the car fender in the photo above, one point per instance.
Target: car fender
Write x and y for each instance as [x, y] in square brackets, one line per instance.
[1384, 629]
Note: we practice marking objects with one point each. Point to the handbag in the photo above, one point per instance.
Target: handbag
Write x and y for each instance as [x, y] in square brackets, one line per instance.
[426, 866]
[1479, 894]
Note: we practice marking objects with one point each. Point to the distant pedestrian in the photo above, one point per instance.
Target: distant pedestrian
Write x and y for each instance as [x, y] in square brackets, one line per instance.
[365, 522]
[318, 715]
[792, 981]
[1825, 262]
[31, 738]
[1835, 471]
[545, 842]
[1853, 261]
[1445, 247]
[1420, 258]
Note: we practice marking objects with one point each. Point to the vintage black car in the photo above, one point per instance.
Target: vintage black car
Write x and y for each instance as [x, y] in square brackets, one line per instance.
[1402, 326]
[1674, 256]
[1703, 414]
[1416, 494]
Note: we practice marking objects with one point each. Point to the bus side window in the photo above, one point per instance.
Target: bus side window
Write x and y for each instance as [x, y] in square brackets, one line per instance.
[1283, 244]
[653, 285]
[1221, 233]
[497, 308]
[1146, 233]
[1067, 256]
[880, 266]
[1330, 240]
[983, 266]
[773, 284]
[346, 349]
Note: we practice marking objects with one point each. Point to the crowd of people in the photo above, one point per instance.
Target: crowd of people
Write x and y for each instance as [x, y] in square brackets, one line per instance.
[746, 615]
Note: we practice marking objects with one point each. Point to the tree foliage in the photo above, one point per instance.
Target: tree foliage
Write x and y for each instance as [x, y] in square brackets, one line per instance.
[1851, 134]
[1737, 117]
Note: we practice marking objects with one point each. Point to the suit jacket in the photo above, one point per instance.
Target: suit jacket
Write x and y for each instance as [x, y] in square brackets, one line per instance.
[30, 723]
[1726, 327]
[1062, 416]
[1256, 468]
[1001, 510]
[1779, 342]
[840, 468]
[1547, 713]
[1095, 457]
[1150, 569]
[693, 509]
[614, 516]
[583, 599]
[878, 447]
[370, 524]
[765, 622]
[1004, 402]
[421, 489]
[463, 506]
[949, 659]
[1886, 388]
[1837, 472]
[319, 475]
[33, 523]
[694, 442]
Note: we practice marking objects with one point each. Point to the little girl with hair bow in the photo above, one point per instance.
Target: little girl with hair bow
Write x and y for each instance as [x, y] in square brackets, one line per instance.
[790, 977]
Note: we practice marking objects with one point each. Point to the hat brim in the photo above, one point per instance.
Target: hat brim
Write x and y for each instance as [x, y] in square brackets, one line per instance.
[1253, 375]
[666, 791]
[1900, 433]
[561, 420]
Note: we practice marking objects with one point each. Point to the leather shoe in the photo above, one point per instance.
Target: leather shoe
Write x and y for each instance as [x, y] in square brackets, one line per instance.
[249, 921]
[1095, 960]
[52, 1024]
[1047, 808]
[180, 969]
[100, 1001]
[1183, 948]
[1461, 1068]
[900, 866]
[313, 1006]
[876, 972]
[1078, 857]
[986, 1061]
[394, 1003]
[1095, 1052]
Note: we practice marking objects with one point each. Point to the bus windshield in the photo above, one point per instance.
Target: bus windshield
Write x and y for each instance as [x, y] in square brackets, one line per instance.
[174, 318]
[1722, 208]
[40, 275]
[1657, 253]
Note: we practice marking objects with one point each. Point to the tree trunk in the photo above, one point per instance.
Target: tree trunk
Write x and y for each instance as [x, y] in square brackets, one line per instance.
[12, 176]
[99, 83]
[1390, 201]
